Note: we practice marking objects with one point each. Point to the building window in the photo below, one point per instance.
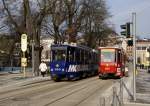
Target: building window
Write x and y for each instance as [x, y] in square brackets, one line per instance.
[143, 48]
[139, 60]
[138, 48]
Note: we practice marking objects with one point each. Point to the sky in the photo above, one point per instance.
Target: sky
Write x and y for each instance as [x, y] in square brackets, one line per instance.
[121, 11]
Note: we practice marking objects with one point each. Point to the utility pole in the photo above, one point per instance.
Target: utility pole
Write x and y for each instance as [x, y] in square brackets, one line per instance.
[134, 54]
[33, 72]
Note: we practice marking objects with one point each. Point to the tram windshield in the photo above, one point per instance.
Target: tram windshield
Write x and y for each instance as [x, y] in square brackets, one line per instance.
[107, 55]
[59, 55]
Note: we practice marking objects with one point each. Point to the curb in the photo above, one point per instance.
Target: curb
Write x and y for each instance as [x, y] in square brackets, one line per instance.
[135, 104]
[23, 82]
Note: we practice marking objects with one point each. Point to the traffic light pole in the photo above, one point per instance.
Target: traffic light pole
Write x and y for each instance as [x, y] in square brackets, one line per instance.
[134, 54]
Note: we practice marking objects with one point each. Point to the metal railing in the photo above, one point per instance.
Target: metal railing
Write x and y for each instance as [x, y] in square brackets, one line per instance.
[116, 96]
[12, 69]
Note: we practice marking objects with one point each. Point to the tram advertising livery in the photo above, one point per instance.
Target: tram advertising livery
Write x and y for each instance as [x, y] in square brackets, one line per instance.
[111, 62]
[72, 62]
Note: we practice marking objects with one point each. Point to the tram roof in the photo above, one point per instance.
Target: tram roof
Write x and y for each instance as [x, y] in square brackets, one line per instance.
[109, 48]
[74, 46]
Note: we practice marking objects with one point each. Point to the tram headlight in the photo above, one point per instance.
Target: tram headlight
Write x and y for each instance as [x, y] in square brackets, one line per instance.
[118, 70]
[52, 69]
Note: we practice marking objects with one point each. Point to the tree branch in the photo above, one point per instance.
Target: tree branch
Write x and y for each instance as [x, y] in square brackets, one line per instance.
[10, 16]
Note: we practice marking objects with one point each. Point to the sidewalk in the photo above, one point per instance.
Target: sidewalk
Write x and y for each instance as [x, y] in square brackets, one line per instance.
[8, 80]
[142, 89]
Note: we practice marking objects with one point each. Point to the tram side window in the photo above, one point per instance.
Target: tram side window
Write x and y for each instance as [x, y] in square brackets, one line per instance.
[82, 56]
[59, 55]
[72, 55]
[96, 59]
[90, 58]
[77, 55]
[86, 57]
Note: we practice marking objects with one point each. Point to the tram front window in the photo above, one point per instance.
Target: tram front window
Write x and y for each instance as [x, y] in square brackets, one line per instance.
[107, 56]
[59, 55]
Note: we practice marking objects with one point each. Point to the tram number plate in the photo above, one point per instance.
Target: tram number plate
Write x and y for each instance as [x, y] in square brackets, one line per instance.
[107, 68]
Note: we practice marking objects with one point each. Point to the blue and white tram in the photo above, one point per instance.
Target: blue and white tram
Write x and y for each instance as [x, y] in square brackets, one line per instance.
[72, 62]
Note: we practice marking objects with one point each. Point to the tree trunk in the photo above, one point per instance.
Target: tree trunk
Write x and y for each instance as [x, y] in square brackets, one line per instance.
[33, 31]
[37, 52]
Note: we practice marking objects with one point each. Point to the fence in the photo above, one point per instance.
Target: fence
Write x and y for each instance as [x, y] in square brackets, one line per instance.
[13, 69]
[116, 97]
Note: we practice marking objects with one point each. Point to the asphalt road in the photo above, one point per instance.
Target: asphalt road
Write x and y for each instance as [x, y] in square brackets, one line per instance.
[86, 92]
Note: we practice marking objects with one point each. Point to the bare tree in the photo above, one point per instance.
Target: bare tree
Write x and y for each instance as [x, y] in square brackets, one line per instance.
[65, 20]
[31, 23]
[62, 19]
[94, 24]
[53, 22]
[84, 16]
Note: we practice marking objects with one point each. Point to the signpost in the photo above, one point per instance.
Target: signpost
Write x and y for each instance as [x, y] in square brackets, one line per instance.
[24, 49]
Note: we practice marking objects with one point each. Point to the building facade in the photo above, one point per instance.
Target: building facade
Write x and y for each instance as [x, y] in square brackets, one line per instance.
[46, 43]
[142, 55]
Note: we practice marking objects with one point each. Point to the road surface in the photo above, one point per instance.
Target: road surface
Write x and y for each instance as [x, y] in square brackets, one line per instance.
[86, 92]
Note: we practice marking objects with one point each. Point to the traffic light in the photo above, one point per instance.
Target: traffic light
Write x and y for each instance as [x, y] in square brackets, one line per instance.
[130, 42]
[126, 28]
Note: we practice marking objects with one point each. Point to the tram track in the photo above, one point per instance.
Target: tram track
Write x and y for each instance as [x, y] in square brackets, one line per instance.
[33, 92]
[99, 89]
[26, 86]
[78, 90]
[51, 92]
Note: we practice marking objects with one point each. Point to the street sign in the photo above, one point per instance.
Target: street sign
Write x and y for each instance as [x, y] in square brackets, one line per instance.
[23, 42]
[23, 62]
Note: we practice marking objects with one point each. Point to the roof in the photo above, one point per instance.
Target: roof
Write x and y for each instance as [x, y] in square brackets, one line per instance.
[69, 45]
[146, 40]
[108, 47]
[112, 47]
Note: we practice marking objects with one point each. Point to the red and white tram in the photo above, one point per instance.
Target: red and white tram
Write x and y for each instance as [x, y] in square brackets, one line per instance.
[111, 62]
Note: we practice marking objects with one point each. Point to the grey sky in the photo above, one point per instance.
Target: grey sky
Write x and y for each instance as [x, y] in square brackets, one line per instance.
[121, 11]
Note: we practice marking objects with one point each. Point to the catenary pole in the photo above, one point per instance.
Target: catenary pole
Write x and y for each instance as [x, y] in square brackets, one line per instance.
[134, 54]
